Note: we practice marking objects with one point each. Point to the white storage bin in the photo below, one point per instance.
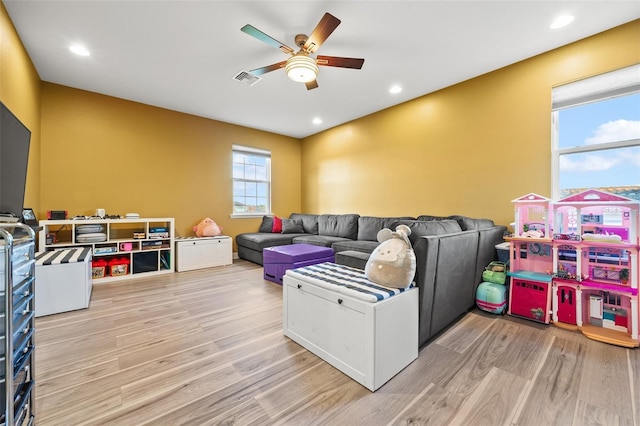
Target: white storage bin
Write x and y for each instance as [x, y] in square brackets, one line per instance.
[63, 280]
[369, 341]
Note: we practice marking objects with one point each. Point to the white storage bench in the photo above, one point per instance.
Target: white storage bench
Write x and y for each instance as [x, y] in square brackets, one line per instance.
[204, 252]
[63, 280]
[366, 331]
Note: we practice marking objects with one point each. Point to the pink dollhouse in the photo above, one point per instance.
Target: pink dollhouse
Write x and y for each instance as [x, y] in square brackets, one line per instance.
[589, 267]
[530, 259]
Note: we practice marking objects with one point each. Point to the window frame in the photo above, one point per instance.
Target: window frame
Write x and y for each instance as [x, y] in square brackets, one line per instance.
[256, 152]
[617, 83]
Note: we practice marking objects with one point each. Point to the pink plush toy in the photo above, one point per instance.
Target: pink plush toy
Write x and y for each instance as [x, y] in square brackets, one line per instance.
[207, 228]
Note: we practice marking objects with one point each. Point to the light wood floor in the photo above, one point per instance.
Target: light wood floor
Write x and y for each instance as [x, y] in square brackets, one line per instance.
[206, 347]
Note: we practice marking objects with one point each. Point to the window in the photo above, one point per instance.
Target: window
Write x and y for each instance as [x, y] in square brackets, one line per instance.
[251, 181]
[596, 135]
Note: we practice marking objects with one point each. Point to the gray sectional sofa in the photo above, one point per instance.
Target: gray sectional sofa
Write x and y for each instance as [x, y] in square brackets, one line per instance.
[451, 253]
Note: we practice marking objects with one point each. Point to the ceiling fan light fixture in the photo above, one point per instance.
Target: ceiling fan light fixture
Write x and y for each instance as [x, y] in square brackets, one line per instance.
[301, 68]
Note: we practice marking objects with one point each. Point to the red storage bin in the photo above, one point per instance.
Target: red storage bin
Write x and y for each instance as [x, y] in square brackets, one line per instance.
[118, 266]
[98, 268]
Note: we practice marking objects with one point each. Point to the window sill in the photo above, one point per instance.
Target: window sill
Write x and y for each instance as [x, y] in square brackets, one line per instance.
[248, 215]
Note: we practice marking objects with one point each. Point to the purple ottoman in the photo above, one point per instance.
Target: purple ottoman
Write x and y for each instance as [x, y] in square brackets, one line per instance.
[277, 260]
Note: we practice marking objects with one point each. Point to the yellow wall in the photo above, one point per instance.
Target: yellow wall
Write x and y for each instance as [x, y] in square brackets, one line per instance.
[467, 149]
[20, 92]
[105, 152]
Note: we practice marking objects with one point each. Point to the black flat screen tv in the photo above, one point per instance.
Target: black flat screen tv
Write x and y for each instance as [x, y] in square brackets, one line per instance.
[14, 156]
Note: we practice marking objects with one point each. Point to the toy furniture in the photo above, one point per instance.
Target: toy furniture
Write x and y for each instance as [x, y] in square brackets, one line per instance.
[63, 280]
[585, 273]
[595, 266]
[277, 260]
[367, 331]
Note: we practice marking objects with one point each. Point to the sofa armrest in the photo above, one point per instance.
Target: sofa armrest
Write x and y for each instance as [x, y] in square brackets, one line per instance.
[445, 274]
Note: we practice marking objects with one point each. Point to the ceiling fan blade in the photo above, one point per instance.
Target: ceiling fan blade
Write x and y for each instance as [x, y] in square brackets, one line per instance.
[268, 68]
[335, 61]
[254, 32]
[325, 27]
[311, 85]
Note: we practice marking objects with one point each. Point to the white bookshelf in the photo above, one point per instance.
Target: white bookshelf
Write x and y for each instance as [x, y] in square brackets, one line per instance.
[146, 255]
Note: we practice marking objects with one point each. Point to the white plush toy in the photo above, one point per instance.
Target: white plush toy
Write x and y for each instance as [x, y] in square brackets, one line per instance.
[393, 262]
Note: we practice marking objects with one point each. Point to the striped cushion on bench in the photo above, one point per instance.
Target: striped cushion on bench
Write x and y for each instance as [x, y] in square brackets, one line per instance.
[57, 257]
[345, 280]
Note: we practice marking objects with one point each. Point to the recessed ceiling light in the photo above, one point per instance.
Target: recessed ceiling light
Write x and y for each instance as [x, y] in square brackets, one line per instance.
[317, 121]
[395, 89]
[79, 50]
[562, 21]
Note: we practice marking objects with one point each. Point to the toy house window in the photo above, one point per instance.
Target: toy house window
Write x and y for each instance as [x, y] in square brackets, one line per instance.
[611, 299]
[251, 181]
[596, 134]
[612, 216]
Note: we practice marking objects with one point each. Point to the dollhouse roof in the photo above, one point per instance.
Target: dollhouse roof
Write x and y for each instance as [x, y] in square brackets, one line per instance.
[595, 196]
[531, 198]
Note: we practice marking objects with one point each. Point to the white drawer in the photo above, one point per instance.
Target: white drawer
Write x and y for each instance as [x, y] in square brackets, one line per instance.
[370, 342]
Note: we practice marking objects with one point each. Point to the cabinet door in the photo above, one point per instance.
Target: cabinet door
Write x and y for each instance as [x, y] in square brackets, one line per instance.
[332, 327]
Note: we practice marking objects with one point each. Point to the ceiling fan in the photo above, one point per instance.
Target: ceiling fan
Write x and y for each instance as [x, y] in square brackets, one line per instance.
[302, 67]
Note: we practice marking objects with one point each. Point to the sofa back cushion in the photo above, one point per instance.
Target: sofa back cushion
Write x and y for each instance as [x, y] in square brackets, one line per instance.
[427, 218]
[338, 225]
[368, 226]
[471, 224]
[309, 222]
[292, 226]
[422, 228]
[466, 223]
[267, 224]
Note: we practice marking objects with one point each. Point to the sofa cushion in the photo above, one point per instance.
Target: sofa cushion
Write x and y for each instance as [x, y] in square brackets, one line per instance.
[260, 240]
[292, 226]
[317, 240]
[309, 222]
[338, 225]
[368, 226]
[471, 224]
[354, 259]
[351, 245]
[267, 224]
[427, 218]
[422, 228]
[277, 224]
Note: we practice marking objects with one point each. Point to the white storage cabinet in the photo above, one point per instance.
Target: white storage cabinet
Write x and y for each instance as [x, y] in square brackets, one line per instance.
[370, 342]
[17, 325]
[206, 252]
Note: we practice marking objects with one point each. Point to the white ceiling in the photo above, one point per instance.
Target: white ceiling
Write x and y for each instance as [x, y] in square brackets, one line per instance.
[182, 55]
